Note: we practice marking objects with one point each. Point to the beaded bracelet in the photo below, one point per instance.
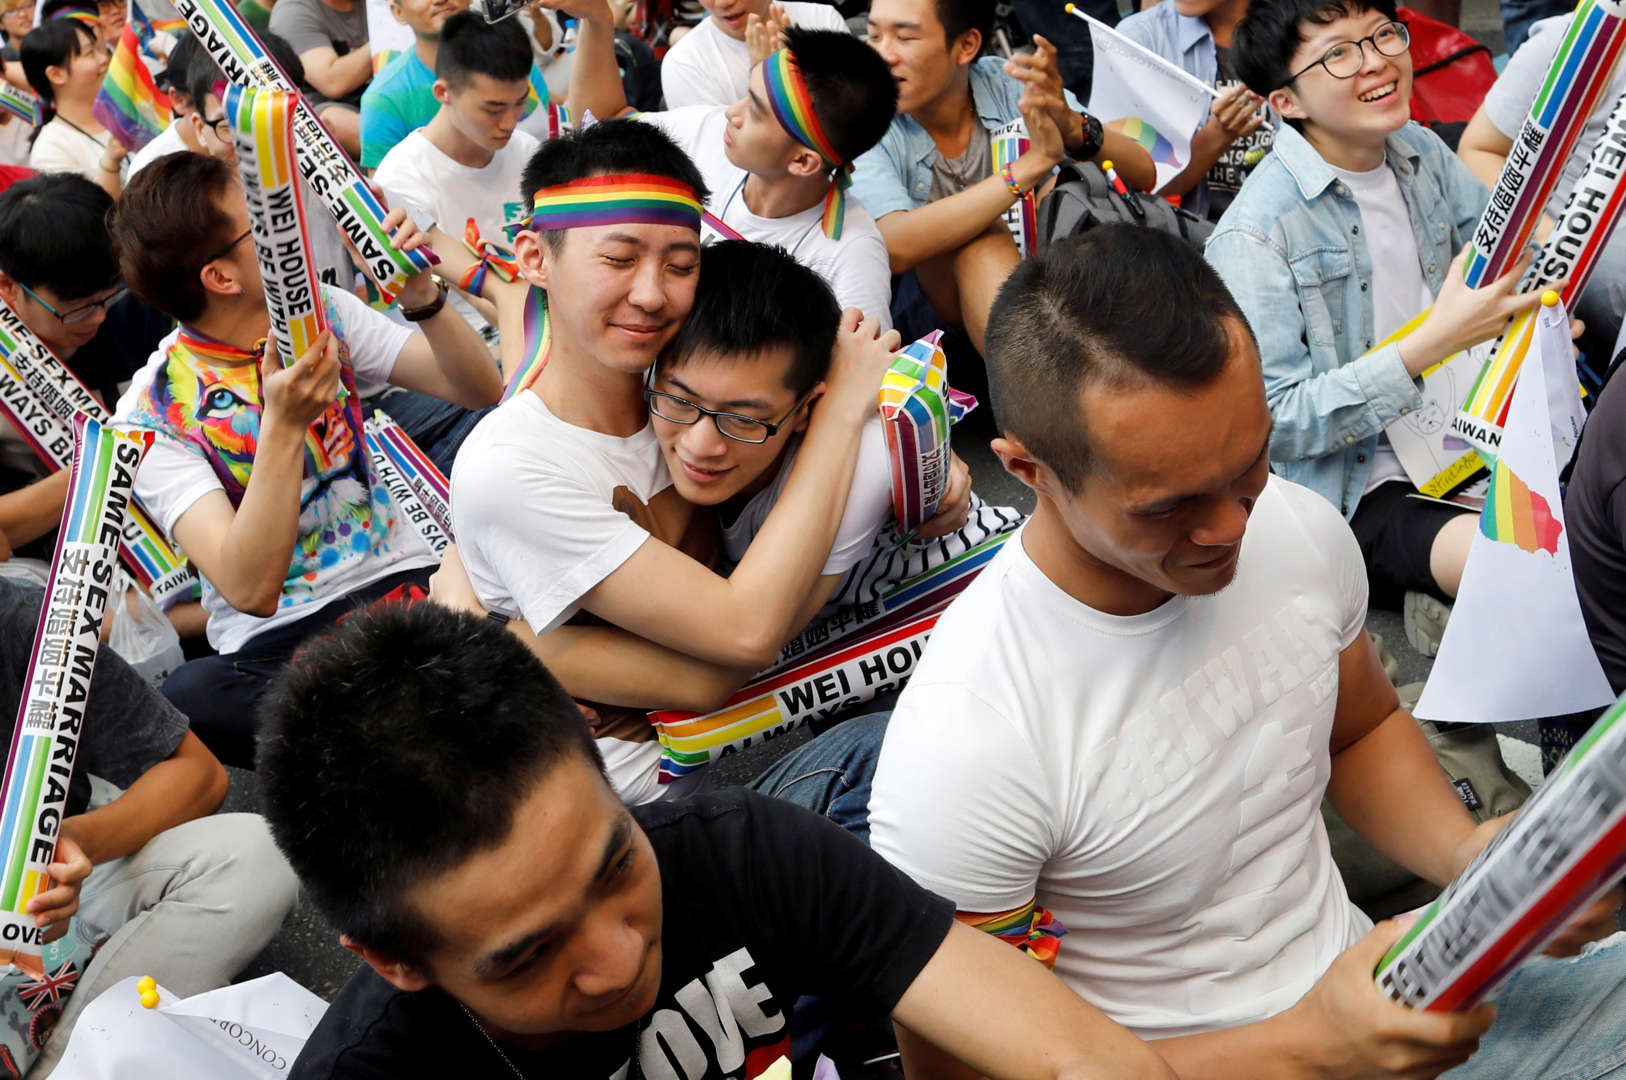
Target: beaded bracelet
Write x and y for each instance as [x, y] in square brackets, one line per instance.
[1010, 181]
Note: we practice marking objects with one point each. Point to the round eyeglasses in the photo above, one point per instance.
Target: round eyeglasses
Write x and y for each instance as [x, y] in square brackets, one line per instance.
[746, 429]
[1345, 59]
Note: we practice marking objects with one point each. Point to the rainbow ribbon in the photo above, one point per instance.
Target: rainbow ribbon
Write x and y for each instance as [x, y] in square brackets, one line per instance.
[262, 123]
[491, 256]
[404, 490]
[614, 199]
[917, 409]
[832, 665]
[19, 103]
[428, 483]
[34, 796]
[41, 397]
[1031, 928]
[792, 106]
[1571, 92]
[538, 342]
[332, 175]
[1025, 220]
[129, 104]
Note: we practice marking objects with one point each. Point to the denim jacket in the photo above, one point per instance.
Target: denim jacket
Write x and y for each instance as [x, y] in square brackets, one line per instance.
[1291, 250]
[896, 173]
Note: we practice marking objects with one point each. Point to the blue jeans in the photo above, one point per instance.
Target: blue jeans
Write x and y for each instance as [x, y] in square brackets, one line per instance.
[1558, 1020]
[831, 774]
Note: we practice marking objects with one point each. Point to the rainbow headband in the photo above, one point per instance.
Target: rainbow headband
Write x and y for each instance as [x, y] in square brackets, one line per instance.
[83, 15]
[624, 199]
[793, 106]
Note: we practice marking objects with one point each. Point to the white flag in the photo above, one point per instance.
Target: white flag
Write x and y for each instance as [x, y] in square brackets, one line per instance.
[1162, 104]
[1516, 647]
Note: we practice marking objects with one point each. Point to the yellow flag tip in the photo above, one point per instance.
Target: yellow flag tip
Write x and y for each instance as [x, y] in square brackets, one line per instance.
[1070, 8]
[1105, 165]
[1549, 298]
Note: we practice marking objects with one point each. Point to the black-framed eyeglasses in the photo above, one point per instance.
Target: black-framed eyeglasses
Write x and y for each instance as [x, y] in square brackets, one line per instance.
[223, 252]
[221, 127]
[83, 311]
[1344, 59]
[745, 429]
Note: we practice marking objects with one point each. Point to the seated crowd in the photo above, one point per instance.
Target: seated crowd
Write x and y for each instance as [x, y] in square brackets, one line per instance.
[1080, 833]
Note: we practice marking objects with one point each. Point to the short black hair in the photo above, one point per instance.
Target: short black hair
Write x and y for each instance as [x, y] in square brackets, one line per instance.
[609, 146]
[53, 233]
[52, 44]
[398, 745]
[1121, 305]
[187, 53]
[205, 73]
[470, 46]
[959, 16]
[754, 298]
[854, 94]
[168, 224]
[1272, 31]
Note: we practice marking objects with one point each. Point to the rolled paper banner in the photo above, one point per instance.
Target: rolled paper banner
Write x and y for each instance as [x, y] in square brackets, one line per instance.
[405, 496]
[129, 104]
[537, 342]
[843, 661]
[19, 103]
[1023, 218]
[40, 395]
[1563, 849]
[1574, 86]
[262, 123]
[1572, 251]
[332, 175]
[428, 483]
[917, 409]
[34, 796]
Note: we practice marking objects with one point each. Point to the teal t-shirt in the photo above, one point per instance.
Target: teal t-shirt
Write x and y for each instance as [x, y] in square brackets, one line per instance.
[400, 99]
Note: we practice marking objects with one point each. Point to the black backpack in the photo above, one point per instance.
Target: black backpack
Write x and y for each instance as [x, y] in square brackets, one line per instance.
[1083, 199]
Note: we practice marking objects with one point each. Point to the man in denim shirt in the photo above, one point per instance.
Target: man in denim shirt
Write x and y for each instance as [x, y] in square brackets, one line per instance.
[1349, 164]
[931, 184]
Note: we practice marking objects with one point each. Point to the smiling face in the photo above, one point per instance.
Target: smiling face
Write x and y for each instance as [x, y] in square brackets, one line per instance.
[484, 110]
[616, 293]
[426, 17]
[1361, 111]
[81, 77]
[911, 39]
[707, 467]
[558, 928]
[730, 16]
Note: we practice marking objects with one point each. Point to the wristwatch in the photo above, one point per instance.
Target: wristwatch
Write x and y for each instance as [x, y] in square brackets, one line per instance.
[1094, 137]
[431, 309]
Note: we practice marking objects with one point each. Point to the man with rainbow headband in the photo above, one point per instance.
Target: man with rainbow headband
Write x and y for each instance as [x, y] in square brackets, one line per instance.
[560, 497]
[779, 160]
[260, 471]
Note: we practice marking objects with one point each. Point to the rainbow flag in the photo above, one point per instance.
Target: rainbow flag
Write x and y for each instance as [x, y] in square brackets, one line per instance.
[129, 104]
[1516, 515]
[1149, 137]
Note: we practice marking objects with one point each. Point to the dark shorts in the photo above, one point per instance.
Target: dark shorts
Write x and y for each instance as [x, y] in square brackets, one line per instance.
[1396, 533]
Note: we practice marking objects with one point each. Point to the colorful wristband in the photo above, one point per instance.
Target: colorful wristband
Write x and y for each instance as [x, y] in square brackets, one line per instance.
[1010, 181]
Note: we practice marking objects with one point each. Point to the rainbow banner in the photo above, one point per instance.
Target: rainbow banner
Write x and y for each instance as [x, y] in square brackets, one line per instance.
[401, 490]
[917, 409]
[262, 123]
[45, 739]
[1572, 251]
[1563, 849]
[41, 397]
[129, 104]
[1571, 92]
[332, 175]
[833, 665]
[19, 103]
[1514, 514]
[537, 342]
[1023, 216]
[429, 485]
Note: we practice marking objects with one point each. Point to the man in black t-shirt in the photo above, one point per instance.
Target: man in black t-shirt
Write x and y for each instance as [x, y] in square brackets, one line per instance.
[445, 806]
[1595, 509]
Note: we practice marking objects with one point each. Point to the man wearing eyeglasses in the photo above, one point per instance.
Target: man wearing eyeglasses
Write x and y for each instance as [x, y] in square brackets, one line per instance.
[1356, 216]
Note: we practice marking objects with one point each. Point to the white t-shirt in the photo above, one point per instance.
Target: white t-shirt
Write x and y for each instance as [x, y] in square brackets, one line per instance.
[14, 141]
[1155, 781]
[437, 190]
[165, 142]
[1401, 290]
[856, 266]
[60, 147]
[175, 475]
[707, 67]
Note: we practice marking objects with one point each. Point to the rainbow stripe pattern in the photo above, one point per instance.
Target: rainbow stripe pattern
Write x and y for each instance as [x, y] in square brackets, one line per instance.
[492, 256]
[538, 342]
[404, 492]
[262, 123]
[1570, 93]
[428, 483]
[840, 662]
[85, 15]
[1516, 515]
[129, 104]
[232, 44]
[20, 103]
[613, 199]
[1153, 140]
[1031, 928]
[917, 409]
[792, 106]
[45, 739]
[1025, 226]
